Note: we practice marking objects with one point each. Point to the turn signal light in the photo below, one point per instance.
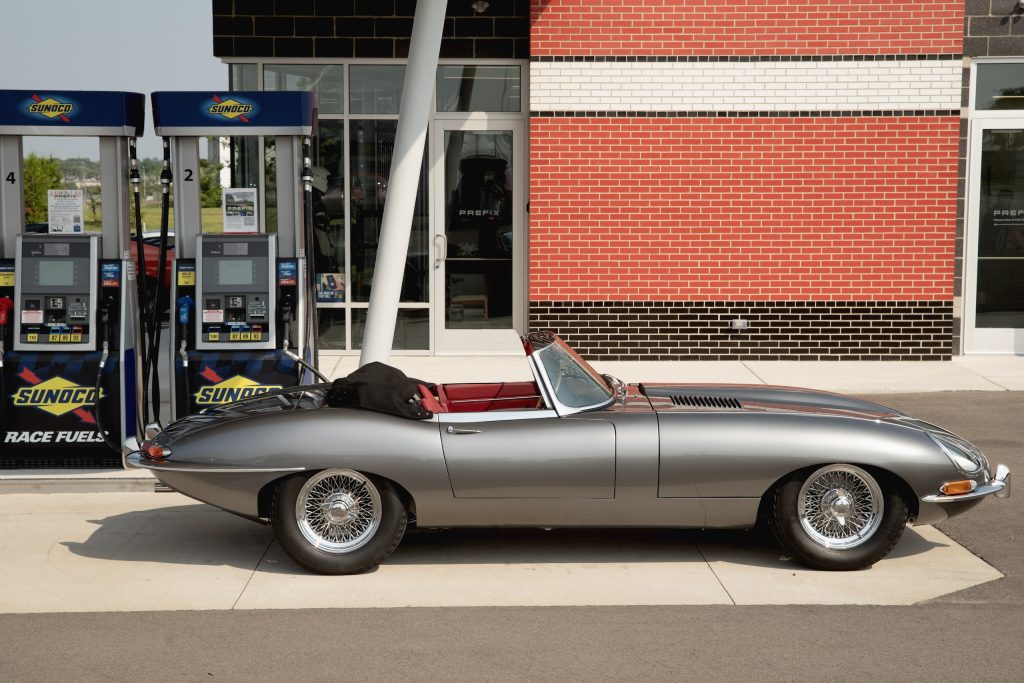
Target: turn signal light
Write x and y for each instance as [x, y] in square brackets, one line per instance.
[954, 488]
[154, 451]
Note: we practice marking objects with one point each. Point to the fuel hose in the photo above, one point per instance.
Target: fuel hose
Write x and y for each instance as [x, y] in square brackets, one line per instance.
[312, 317]
[158, 296]
[140, 276]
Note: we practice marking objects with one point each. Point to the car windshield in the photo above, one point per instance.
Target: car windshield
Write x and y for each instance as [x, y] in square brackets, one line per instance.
[575, 383]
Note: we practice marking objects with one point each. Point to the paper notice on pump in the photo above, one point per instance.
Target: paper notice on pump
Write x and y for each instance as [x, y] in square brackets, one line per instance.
[213, 315]
[65, 208]
[240, 209]
[31, 317]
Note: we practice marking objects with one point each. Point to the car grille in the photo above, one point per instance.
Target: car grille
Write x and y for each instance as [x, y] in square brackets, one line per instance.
[707, 402]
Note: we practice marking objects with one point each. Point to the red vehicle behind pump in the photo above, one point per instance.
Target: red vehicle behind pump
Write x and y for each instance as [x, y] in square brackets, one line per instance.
[151, 255]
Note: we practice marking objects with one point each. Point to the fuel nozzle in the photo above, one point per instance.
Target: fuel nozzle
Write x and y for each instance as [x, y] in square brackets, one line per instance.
[107, 306]
[287, 305]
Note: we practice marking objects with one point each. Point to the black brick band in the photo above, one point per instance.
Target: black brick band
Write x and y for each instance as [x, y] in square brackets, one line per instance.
[781, 330]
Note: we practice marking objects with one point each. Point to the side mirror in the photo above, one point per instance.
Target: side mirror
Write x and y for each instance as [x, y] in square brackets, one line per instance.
[617, 386]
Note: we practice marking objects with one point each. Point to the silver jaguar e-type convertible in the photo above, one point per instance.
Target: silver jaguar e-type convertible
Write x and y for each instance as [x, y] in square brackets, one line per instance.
[837, 479]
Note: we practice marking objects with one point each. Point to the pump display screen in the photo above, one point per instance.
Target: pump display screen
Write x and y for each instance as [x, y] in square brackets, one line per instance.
[56, 273]
[56, 249]
[235, 272]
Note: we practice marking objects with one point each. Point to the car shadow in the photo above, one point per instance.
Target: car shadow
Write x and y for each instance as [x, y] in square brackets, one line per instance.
[202, 535]
[183, 534]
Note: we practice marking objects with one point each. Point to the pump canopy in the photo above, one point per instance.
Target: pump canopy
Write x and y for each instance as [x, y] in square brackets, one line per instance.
[212, 114]
[72, 112]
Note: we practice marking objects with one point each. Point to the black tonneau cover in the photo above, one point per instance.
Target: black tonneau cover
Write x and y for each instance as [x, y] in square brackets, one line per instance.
[382, 388]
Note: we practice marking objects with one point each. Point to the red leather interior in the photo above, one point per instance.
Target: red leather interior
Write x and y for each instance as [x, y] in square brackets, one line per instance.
[428, 401]
[475, 398]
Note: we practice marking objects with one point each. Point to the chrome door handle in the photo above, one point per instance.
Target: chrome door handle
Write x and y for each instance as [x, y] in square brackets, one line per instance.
[444, 253]
[458, 430]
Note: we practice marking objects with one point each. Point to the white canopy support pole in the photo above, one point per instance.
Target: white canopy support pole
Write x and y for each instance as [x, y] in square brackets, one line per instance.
[396, 226]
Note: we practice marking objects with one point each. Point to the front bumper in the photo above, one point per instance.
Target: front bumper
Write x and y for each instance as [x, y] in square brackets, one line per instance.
[999, 486]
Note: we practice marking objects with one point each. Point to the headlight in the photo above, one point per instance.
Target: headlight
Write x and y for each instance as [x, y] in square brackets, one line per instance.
[963, 455]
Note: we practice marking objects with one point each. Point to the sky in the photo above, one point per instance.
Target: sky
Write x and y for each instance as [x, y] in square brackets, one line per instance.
[134, 45]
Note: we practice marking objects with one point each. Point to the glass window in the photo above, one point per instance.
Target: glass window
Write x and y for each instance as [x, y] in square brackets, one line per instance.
[375, 89]
[329, 212]
[999, 86]
[575, 383]
[478, 225]
[243, 77]
[371, 144]
[331, 322]
[270, 185]
[478, 88]
[412, 328]
[324, 79]
[1000, 291]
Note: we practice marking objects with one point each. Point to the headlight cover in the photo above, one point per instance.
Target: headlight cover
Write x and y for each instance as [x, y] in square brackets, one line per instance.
[963, 455]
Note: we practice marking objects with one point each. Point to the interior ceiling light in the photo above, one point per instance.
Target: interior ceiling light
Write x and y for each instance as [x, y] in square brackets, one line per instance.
[480, 6]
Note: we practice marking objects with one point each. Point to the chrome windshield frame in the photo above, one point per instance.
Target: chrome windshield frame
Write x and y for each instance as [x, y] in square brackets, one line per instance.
[548, 391]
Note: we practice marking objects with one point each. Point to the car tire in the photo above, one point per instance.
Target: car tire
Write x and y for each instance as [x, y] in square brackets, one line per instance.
[838, 517]
[338, 521]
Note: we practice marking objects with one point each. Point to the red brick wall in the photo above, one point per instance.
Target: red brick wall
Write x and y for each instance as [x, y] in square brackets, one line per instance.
[754, 209]
[745, 27]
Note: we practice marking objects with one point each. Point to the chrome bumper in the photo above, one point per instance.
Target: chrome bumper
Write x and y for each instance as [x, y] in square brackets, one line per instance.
[999, 486]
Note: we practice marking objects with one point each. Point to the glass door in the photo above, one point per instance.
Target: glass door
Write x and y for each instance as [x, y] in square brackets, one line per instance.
[994, 296]
[478, 236]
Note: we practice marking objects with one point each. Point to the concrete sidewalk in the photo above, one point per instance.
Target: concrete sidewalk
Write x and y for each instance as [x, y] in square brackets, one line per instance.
[963, 373]
[142, 552]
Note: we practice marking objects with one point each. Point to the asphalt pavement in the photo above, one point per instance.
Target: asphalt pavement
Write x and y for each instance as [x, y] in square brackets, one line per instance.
[974, 633]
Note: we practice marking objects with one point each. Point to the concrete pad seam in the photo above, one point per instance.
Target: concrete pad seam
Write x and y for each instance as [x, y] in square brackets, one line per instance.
[751, 371]
[717, 578]
[234, 605]
[984, 377]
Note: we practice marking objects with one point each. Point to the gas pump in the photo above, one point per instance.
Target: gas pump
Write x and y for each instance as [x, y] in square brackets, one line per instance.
[69, 331]
[243, 314]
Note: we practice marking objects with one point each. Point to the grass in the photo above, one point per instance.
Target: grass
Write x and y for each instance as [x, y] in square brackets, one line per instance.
[213, 218]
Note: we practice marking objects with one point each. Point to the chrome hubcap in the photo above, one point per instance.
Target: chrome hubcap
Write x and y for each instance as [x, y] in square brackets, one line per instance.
[840, 506]
[338, 511]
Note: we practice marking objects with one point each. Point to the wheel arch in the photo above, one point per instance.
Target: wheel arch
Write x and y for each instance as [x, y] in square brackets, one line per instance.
[265, 496]
[905, 491]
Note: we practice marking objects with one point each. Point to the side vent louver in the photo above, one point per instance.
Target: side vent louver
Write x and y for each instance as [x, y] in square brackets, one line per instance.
[707, 402]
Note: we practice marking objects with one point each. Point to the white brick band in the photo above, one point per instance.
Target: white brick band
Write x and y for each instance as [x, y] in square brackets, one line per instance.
[746, 86]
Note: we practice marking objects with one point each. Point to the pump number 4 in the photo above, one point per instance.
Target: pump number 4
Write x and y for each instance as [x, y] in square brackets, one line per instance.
[10, 178]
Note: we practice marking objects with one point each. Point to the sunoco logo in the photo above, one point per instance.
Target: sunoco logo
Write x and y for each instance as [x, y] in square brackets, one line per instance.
[231, 109]
[230, 390]
[56, 396]
[50, 108]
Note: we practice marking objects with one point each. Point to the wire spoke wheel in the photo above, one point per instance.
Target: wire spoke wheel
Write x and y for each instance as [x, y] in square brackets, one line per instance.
[840, 507]
[338, 511]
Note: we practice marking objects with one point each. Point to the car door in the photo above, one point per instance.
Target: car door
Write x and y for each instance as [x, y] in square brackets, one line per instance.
[528, 454]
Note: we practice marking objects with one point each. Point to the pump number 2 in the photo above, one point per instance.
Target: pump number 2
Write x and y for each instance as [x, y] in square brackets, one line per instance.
[188, 175]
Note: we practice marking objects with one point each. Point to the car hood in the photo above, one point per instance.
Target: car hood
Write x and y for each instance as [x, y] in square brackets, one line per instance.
[756, 397]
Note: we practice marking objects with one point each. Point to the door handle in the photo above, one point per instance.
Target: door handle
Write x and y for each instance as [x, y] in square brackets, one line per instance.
[444, 253]
[460, 430]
